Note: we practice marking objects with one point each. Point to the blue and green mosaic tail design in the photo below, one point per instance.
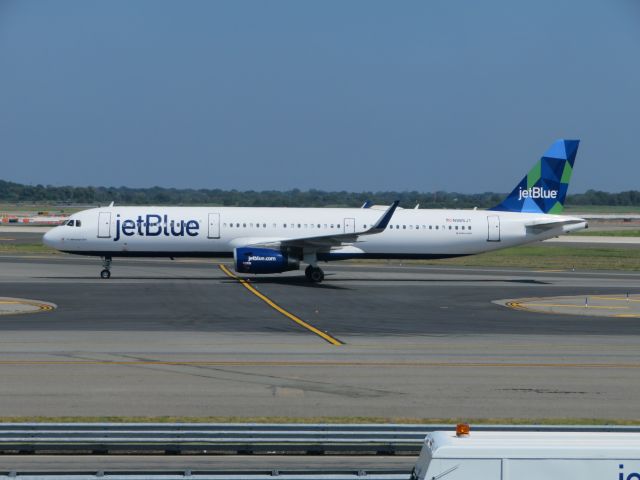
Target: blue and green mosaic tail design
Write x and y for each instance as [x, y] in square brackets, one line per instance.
[544, 188]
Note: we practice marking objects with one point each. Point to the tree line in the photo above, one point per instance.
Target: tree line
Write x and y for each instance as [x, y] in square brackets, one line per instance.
[15, 192]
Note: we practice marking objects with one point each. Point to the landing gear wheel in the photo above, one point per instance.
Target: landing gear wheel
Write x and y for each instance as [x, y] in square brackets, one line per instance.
[106, 265]
[307, 272]
[316, 275]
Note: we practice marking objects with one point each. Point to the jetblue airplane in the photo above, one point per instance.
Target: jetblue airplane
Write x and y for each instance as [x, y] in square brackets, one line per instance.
[275, 240]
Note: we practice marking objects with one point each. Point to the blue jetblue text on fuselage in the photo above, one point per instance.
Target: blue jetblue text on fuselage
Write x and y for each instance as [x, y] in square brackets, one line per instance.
[630, 476]
[153, 225]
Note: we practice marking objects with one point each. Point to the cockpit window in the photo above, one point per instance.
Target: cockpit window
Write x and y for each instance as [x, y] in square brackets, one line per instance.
[71, 223]
[77, 223]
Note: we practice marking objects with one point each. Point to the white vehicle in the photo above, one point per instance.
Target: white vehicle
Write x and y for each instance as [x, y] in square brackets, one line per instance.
[274, 240]
[529, 456]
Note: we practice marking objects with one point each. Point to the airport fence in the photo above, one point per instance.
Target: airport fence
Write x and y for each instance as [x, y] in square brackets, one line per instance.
[197, 475]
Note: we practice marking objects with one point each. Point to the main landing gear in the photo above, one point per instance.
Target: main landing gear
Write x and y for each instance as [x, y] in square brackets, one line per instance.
[106, 265]
[314, 274]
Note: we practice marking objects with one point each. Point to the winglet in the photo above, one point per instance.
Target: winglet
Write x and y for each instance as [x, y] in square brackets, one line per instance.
[381, 225]
[367, 204]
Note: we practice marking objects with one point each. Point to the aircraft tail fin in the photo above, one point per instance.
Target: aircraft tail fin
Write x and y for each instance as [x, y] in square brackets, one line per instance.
[544, 188]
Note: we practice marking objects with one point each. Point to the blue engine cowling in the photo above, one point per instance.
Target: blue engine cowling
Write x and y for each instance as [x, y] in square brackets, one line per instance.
[263, 260]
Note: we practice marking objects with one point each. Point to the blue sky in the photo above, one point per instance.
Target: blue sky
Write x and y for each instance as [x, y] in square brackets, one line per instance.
[359, 95]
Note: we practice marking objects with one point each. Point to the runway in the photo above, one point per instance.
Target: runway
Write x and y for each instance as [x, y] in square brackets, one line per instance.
[182, 338]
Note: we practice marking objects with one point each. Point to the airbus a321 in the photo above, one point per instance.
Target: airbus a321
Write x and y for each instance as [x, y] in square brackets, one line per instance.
[275, 240]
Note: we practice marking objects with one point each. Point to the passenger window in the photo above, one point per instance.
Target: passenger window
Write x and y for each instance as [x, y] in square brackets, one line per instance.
[284, 225]
[417, 227]
[319, 226]
[430, 227]
[456, 227]
[299, 226]
[469, 228]
[462, 227]
[257, 225]
[437, 228]
[332, 225]
[449, 227]
[337, 226]
[404, 227]
[264, 225]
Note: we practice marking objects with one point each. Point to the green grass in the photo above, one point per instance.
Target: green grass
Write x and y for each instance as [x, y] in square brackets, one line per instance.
[549, 257]
[604, 209]
[10, 208]
[25, 248]
[328, 420]
[608, 233]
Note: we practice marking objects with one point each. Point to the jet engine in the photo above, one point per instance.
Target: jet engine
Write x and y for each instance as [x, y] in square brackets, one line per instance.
[263, 260]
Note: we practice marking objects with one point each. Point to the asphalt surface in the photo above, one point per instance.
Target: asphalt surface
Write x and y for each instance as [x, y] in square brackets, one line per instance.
[22, 235]
[172, 463]
[163, 338]
[188, 296]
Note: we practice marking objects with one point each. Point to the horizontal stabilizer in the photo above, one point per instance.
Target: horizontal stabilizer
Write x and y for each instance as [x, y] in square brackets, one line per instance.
[545, 225]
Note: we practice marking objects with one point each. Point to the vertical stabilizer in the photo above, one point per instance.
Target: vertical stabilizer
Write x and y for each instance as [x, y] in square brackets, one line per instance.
[544, 188]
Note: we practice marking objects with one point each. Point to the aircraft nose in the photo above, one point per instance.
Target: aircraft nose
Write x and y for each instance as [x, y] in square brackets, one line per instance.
[49, 238]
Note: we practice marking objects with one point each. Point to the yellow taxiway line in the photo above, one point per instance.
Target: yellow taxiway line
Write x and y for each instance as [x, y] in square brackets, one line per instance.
[568, 305]
[325, 336]
[615, 299]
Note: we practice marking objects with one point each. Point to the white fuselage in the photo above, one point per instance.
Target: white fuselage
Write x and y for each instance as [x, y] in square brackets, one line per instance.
[217, 231]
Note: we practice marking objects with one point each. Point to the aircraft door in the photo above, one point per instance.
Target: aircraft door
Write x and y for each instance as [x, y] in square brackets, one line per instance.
[214, 225]
[349, 225]
[494, 228]
[104, 225]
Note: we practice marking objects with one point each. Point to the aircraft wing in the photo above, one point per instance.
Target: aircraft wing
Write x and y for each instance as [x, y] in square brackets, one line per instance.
[328, 241]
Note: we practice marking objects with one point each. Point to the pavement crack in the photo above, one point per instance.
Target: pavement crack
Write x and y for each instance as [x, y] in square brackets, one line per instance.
[275, 382]
[548, 391]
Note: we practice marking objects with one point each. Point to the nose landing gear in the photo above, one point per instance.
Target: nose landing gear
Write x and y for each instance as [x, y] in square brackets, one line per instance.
[106, 265]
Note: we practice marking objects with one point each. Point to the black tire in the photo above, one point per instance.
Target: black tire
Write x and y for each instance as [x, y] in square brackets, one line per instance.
[317, 275]
[105, 274]
[307, 272]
